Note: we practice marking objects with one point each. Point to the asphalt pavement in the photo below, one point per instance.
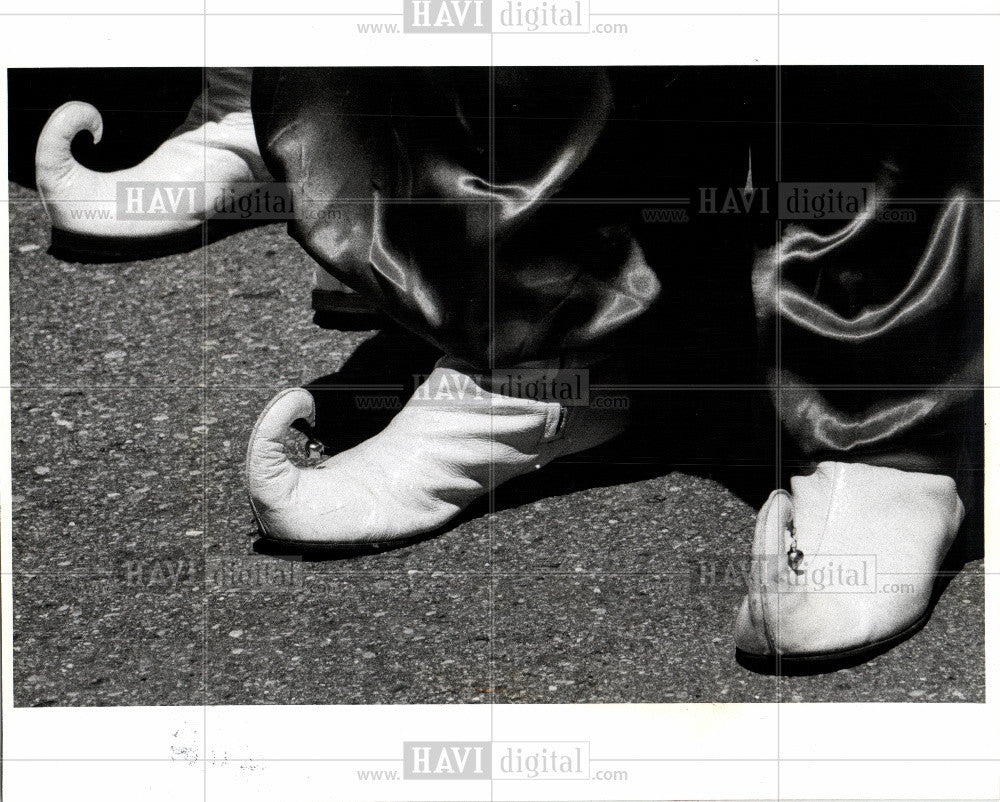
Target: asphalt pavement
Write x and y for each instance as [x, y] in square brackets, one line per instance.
[139, 580]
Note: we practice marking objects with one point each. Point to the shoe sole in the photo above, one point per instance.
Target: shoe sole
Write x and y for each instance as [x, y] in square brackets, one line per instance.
[345, 311]
[72, 246]
[349, 320]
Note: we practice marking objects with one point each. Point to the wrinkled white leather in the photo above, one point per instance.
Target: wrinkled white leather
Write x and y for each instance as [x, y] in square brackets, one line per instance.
[216, 144]
[899, 524]
[432, 460]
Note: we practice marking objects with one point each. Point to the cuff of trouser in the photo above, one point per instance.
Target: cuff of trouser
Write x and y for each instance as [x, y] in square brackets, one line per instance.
[568, 389]
[512, 380]
[940, 452]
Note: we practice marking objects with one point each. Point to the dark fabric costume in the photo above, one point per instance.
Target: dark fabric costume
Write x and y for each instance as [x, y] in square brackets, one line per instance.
[523, 214]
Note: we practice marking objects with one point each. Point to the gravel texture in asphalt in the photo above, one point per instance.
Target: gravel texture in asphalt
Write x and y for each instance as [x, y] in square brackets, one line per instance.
[139, 580]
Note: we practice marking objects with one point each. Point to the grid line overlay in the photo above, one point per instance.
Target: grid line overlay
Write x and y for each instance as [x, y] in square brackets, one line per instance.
[204, 417]
[491, 572]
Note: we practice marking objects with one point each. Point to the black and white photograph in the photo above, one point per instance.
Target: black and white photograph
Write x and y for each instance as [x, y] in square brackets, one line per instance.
[494, 416]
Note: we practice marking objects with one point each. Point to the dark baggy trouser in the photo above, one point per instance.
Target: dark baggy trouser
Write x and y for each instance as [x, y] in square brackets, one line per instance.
[660, 218]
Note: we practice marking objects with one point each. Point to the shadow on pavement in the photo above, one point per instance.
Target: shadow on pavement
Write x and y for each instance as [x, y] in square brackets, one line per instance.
[727, 435]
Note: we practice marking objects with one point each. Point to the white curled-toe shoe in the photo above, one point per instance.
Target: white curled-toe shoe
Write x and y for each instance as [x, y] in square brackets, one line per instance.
[453, 441]
[215, 148]
[845, 566]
